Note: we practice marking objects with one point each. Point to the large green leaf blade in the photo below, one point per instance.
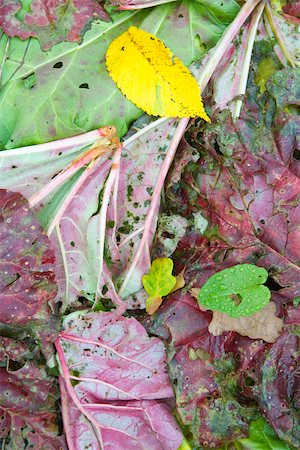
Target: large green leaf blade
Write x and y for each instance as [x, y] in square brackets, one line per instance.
[71, 91]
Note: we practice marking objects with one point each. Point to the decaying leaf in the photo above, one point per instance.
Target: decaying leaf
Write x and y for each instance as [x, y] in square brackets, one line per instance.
[261, 325]
[180, 282]
[28, 395]
[153, 78]
[27, 280]
[236, 291]
[158, 283]
[113, 382]
[50, 22]
[262, 436]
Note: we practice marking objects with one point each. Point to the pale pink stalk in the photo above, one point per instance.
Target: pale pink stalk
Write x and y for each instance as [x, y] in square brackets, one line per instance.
[155, 198]
[64, 205]
[66, 377]
[271, 16]
[114, 171]
[218, 51]
[92, 153]
[241, 90]
[141, 5]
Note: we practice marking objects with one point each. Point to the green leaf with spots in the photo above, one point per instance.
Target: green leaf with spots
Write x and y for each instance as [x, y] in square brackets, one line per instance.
[236, 291]
[158, 283]
[263, 437]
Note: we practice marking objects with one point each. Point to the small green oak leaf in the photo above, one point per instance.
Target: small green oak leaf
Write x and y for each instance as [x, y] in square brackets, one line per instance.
[158, 282]
[236, 291]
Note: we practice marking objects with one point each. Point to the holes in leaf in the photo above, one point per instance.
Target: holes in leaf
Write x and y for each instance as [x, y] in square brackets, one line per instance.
[167, 235]
[14, 365]
[104, 289]
[72, 243]
[296, 154]
[217, 148]
[272, 284]
[180, 16]
[58, 65]
[84, 86]
[262, 221]
[249, 381]
[236, 298]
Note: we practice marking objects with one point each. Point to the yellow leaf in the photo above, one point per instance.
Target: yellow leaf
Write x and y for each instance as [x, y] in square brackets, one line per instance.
[153, 78]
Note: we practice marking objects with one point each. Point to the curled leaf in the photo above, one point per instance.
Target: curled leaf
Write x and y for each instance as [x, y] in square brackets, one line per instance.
[236, 291]
[153, 78]
[261, 325]
[158, 283]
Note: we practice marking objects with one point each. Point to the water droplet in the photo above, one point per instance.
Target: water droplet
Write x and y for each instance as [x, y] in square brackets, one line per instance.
[219, 277]
[223, 287]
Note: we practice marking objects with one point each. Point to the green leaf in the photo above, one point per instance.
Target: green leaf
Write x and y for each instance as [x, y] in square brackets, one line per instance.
[263, 437]
[72, 91]
[185, 445]
[236, 291]
[159, 282]
[296, 302]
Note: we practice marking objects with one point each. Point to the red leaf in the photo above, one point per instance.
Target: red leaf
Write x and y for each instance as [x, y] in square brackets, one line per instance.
[27, 401]
[27, 281]
[50, 22]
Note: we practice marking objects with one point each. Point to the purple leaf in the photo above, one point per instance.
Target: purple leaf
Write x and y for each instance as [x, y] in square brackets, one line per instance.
[278, 394]
[113, 381]
[28, 414]
[27, 281]
[50, 22]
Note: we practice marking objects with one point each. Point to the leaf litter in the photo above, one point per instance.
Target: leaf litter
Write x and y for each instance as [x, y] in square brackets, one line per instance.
[233, 192]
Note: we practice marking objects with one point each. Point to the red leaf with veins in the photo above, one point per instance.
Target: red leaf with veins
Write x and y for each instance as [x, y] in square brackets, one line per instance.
[113, 381]
[27, 281]
[28, 417]
[50, 21]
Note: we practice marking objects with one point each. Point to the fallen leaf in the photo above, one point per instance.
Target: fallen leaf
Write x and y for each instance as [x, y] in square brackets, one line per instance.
[28, 395]
[260, 325]
[275, 386]
[206, 371]
[27, 279]
[50, 22]
[113, 382]
[153, 78]
[180, 282]
[158, 283]
[236, 291]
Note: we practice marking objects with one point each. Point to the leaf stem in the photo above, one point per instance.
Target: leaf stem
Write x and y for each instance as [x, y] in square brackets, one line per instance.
[155, 199]
[279, 36]
[93, 153]
[141, 5]
[115, 168]
[218, 51]
[66, 377]
[241, 90]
